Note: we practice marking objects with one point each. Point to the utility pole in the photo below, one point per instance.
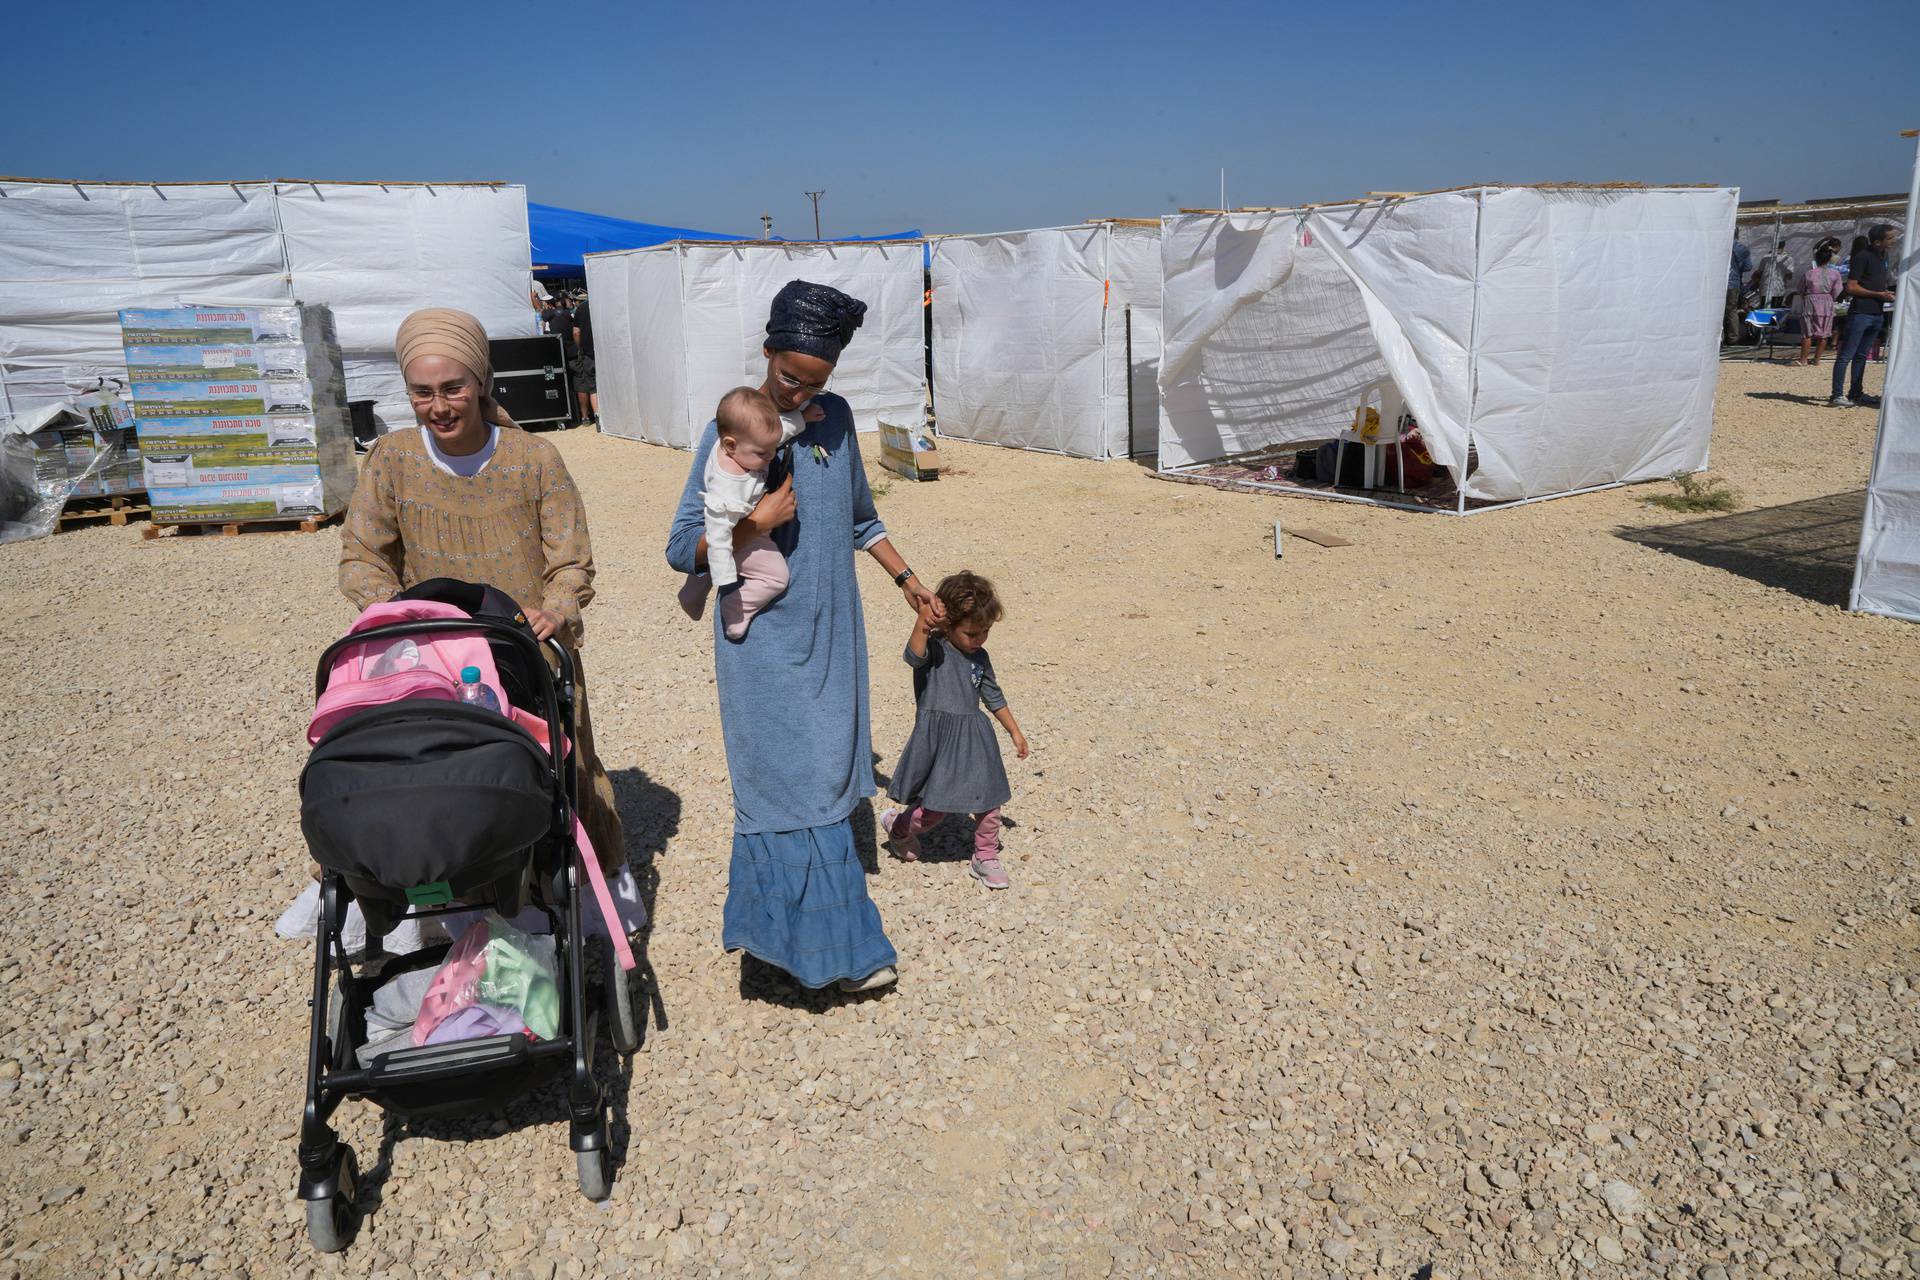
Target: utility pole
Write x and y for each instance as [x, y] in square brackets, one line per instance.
[815, 197]
[766, 226]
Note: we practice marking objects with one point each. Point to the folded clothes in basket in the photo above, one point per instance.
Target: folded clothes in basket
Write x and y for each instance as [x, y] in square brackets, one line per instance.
[496, 965]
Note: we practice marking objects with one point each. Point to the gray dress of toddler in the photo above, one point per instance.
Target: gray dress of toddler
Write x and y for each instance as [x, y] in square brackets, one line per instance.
[952, 762]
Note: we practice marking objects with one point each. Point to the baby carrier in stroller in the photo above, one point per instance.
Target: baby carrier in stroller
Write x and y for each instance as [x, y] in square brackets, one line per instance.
[414, 803]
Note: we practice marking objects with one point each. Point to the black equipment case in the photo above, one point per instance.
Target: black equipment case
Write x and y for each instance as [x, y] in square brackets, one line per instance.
[530, 379]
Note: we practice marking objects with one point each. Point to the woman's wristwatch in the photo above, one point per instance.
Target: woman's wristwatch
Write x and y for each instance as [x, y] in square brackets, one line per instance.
[900, 578]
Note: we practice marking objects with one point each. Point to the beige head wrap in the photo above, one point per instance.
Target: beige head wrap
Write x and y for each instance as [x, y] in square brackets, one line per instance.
[442, 331]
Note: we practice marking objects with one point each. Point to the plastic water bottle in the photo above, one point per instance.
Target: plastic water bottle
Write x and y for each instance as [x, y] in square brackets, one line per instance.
[474, 693]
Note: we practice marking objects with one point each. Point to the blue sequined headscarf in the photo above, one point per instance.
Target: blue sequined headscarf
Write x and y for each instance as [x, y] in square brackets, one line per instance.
[813, 319]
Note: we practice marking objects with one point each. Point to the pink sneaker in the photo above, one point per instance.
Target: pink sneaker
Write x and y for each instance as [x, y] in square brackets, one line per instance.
[905, 848]
[989, 872]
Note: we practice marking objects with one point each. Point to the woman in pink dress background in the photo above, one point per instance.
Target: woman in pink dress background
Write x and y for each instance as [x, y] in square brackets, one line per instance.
[1819, 287]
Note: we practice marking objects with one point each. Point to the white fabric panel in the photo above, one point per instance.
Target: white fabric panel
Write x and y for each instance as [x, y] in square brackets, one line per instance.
[1581, 379]
[375, 253]
[1134, 278]
[72, 258]
[1266, 340]
[639, 351]
[728, 289]
[1414, 261]
[1018, 339]
[1887, 579]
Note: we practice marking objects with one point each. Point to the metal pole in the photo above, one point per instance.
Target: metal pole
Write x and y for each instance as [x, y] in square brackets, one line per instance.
[815, 197]
[1132, 449]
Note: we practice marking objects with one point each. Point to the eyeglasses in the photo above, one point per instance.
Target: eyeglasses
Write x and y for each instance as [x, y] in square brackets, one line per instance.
[794, 384]
[454, 394]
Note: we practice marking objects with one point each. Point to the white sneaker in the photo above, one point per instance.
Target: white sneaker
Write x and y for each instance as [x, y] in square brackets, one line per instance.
[1839, 402]
[881, 977]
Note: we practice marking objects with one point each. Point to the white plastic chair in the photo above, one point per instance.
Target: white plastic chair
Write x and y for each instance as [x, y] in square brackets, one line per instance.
[1391, 408]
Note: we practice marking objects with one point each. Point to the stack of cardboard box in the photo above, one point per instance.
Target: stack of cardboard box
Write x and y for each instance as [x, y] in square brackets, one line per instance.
[241, 412]
[84, 447]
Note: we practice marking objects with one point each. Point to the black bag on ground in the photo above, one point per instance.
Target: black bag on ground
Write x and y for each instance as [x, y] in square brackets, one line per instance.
[1352, 460]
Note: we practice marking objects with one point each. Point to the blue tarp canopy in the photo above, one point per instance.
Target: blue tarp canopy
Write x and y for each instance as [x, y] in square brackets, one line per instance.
[561, 237]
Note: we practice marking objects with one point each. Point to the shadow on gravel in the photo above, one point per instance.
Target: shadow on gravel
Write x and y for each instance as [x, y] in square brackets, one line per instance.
[1788, 397]
[770, 984]
[1807, 547]
[649, 818]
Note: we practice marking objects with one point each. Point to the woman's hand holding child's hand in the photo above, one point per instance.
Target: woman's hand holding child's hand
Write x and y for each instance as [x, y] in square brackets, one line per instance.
[924, 603]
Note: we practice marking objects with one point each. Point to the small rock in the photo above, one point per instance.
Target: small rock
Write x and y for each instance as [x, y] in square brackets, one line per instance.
[1609, 1248]
[1624, 1201]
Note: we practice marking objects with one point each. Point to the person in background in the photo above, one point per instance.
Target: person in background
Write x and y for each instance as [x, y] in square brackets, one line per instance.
[1869, 289]
[1819, 289]
[557, 321]
[586, 392]
[1774, 277]
[1737, 272]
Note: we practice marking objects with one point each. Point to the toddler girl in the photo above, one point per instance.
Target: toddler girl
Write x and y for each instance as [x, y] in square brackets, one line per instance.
[952, 762]
[1819, 290]
[751, 432]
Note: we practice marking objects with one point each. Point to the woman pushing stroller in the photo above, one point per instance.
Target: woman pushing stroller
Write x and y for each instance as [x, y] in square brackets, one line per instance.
[471, 497]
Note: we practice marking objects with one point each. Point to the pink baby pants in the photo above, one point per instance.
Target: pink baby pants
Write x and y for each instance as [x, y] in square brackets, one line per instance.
[763, 579]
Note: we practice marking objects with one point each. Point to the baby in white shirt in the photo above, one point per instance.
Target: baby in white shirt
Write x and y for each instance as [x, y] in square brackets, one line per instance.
[751, 431]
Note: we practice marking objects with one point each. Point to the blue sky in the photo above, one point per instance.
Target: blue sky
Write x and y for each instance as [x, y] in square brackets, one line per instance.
[967, 117]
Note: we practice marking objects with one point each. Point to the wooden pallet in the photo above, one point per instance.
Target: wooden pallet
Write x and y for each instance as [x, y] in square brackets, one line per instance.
[114, 510]
[233, 528]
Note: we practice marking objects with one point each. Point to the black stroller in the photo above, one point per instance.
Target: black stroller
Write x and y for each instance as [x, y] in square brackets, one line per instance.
[428, 807]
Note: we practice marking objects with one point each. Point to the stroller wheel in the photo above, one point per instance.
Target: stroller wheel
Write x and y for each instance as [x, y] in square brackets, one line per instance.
[596, 1173]
[623, 1018]
[330, 1222]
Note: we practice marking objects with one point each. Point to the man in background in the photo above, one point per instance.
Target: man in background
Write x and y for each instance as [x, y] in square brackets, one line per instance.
[1869, 289]
[585, 390]
[557, 320]
[1737, 272]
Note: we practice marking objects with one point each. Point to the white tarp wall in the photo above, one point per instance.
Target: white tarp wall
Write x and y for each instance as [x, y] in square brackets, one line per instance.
[1266, 340]
[695, 319]
[643, 385]
[1887, 578]
[1030, 338]
[73, 255]
[1514, 321]
[375, 253]
[1134, 279]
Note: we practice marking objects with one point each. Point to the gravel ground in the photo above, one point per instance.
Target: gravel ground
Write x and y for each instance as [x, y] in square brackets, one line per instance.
[1529, 895]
